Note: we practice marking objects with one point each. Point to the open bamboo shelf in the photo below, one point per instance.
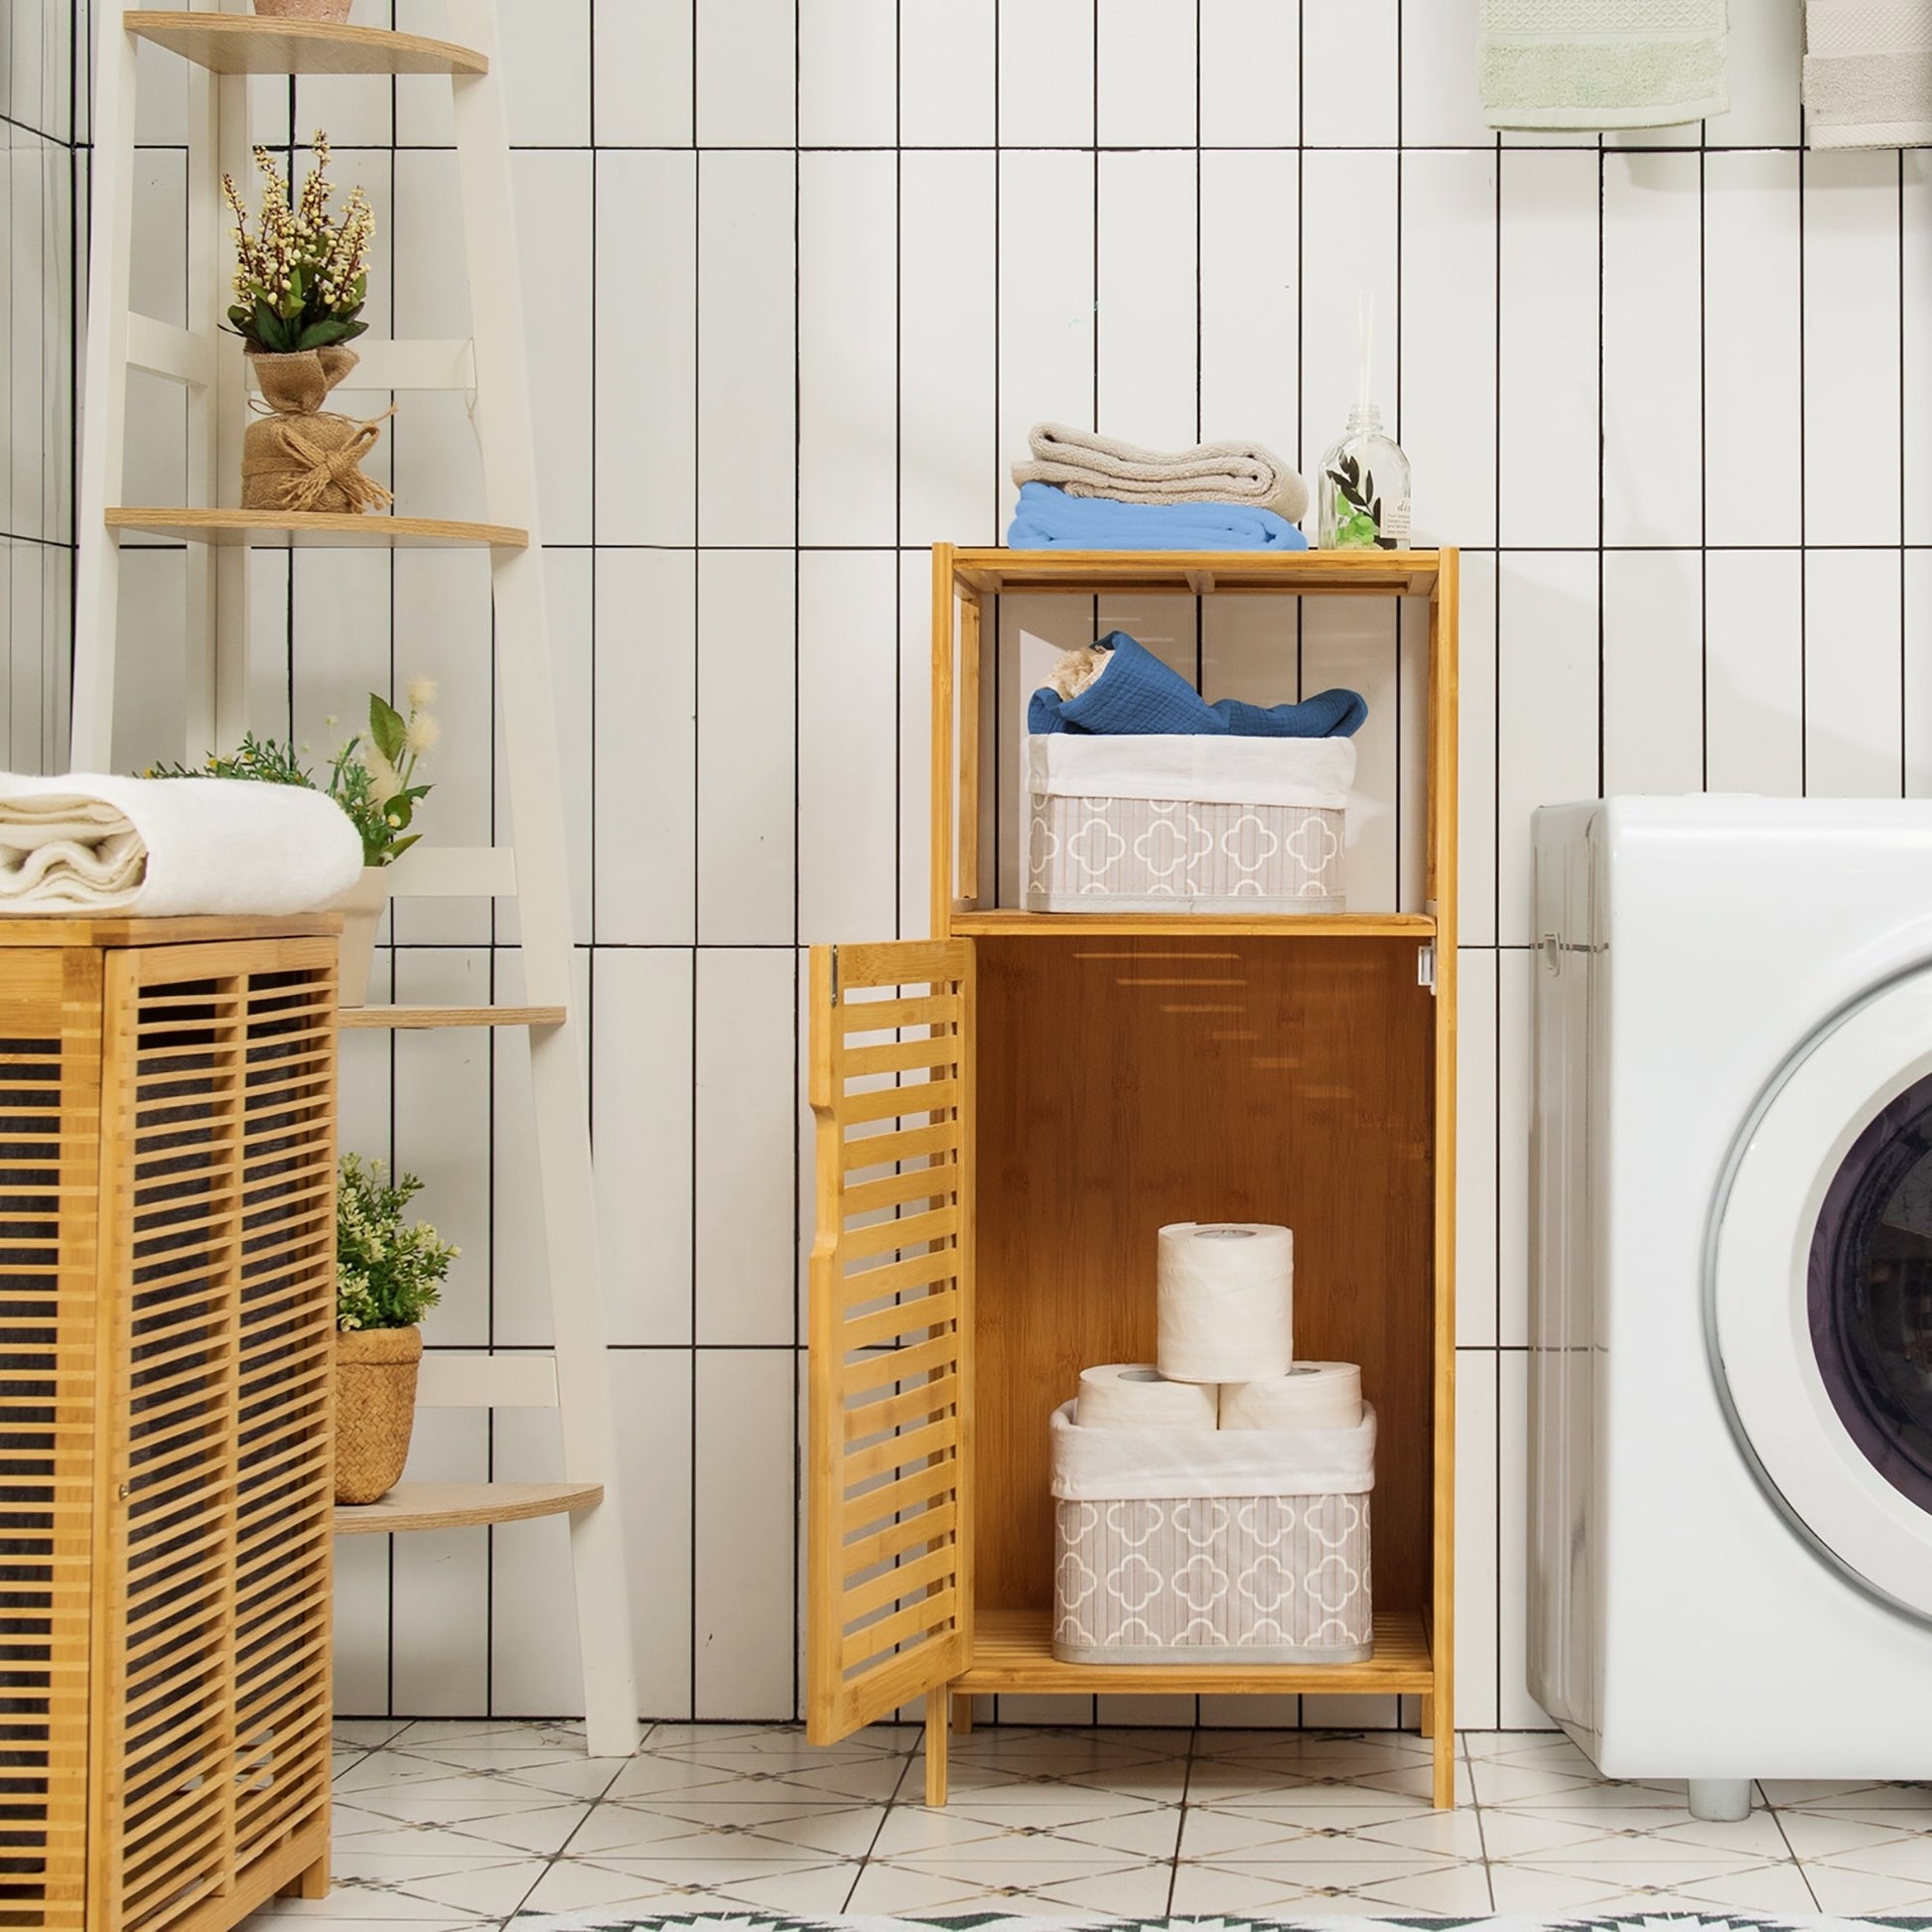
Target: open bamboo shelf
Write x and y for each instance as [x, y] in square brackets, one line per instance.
[1007, 1112]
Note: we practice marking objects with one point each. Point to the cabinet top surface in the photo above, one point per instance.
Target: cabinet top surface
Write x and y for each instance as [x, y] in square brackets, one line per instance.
[1384, 573]
[65, 929]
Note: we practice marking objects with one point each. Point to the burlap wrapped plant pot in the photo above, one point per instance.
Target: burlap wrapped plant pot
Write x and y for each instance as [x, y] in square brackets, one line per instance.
[336, 10]
[299, 460]
[375, 1409]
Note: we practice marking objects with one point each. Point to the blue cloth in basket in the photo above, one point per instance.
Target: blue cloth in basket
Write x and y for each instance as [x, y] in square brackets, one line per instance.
[1046, 517]
[1137, 696]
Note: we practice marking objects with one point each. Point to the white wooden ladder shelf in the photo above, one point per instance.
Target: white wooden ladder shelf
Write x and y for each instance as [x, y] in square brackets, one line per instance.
[224, 47]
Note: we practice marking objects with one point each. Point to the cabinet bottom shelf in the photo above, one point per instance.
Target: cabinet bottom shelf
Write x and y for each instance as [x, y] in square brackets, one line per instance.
[1013, 1650]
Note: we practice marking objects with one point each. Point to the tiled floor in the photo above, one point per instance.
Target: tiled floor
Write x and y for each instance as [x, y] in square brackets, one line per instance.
[447, 1825]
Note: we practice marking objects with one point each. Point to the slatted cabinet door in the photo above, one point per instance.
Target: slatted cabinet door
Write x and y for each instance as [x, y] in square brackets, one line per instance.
[889, 1561]
[212, 1633]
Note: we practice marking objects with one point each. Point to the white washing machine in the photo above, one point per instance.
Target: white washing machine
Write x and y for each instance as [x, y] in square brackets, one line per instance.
[1731, 1505]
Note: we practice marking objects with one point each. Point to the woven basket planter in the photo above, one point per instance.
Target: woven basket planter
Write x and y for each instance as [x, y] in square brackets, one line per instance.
[375, 1409]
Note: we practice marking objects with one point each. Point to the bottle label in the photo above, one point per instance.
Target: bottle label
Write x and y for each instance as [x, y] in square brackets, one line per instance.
[1396, 520]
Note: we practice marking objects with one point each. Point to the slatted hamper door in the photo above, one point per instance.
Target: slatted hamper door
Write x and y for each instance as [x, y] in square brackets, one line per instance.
[219, 1182]
[50, 1098]
[890, 1579]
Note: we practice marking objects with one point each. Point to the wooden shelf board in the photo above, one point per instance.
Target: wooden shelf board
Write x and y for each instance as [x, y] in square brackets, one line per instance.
[463, 1505]
[1364, 573]
[276, 530]
[241, 44]
[417, 1018]
[1007, 923]
[1013, 1650]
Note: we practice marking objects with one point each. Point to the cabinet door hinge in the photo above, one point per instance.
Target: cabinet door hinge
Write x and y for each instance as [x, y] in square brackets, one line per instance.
[1426, 965]
[835, 976]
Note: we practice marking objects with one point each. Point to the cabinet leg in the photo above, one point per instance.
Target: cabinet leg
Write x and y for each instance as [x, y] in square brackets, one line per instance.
[962, 1717]
[1427, 1726]
[312, 1882]
[1442, 1739]
[937, 1713]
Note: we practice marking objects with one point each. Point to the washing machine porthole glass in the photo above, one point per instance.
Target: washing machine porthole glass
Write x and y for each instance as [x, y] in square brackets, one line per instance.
[1870, 1291]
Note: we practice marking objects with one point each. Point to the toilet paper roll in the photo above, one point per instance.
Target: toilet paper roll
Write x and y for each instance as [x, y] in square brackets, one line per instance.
[1136, 1395]
[1312, 1395]
[1226, 1301]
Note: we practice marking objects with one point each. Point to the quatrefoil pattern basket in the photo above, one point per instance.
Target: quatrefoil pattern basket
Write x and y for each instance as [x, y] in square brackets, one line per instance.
[1237, 1579]
[1278, 1579]
[1126, 825]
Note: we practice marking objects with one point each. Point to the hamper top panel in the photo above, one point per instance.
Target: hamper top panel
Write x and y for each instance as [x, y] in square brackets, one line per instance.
[1376, 573]
[60, 930]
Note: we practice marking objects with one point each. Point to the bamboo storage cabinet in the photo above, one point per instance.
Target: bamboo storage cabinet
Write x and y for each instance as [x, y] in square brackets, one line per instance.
[167, 1249]
[1007, 1113]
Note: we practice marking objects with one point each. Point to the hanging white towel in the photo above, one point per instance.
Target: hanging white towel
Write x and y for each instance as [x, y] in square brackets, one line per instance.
[1602, 63]
[162, 848]
[1868, 74]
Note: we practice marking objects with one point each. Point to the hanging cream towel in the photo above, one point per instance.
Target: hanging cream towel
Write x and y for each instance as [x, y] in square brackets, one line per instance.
[1868, 74]
[1602, 63]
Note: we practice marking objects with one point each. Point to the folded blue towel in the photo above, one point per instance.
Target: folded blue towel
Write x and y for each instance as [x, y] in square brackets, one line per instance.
[1046, 517]
[1138, 695]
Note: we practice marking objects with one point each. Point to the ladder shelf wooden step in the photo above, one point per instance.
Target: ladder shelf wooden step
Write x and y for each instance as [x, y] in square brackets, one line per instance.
[241, 44]
[464, 1506]
[418, 1019]
[317, 531]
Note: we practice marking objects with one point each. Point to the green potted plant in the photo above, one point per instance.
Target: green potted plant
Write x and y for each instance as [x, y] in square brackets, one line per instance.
[373, 780]
[388, 1276]
[301, 278]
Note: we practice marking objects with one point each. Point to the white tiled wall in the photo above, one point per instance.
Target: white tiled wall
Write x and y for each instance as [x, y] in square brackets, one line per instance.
[36, 244]
[793, 311]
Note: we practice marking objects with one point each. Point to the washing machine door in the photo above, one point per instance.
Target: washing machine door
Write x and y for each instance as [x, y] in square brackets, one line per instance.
[1818, 1291]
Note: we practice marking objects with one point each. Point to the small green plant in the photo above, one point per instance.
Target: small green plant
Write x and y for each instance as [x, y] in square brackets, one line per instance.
[388, 1275]
[373, 778]
[301, 278]
[1358, 526]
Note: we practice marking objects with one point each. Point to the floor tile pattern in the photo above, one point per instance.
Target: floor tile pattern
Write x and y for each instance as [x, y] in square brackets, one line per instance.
[445, 1825]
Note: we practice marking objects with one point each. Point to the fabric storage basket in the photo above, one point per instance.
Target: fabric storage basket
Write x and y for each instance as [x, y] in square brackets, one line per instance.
[1161, 824]
[1237, 1546]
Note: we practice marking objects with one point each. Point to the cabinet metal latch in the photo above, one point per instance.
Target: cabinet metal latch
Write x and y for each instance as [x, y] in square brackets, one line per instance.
[1426, 965]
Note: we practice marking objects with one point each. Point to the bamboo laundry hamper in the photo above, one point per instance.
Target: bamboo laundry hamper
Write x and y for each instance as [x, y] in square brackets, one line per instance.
[167, 1302]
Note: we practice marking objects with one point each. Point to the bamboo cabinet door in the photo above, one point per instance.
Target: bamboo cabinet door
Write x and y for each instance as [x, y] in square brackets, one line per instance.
[889, 1597]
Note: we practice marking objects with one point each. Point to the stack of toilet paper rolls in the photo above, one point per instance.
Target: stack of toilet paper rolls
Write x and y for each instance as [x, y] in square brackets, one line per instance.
[1226, 1346]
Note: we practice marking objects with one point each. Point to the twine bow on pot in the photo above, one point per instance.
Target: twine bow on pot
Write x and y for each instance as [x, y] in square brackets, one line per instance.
[304, 464]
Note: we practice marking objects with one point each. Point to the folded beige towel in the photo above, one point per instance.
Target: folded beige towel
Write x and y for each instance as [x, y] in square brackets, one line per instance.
[1234, 472]
[163, 847]
[1868, 74]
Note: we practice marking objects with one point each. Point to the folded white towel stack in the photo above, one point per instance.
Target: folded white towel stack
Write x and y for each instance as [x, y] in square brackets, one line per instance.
[1868, 74]
[163, 848]
[1232, 472]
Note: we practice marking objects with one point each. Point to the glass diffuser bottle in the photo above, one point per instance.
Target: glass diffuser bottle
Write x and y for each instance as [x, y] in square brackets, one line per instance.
[1364, 483]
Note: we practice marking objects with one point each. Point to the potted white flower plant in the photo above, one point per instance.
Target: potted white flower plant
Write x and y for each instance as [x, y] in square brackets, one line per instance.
[373, 780]
[388, 1276]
